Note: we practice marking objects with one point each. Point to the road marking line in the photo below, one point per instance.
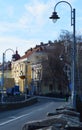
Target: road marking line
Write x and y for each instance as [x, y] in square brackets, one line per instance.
[6, 122]
[16, 118]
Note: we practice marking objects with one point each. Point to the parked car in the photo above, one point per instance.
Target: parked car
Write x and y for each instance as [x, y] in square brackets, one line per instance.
[13, 91]
[16, 90]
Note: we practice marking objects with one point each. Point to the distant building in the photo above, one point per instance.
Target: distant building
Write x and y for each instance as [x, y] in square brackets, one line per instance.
[8, 79]
[15, 56]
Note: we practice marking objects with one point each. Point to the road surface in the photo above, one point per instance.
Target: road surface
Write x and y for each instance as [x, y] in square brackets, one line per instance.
[15, 119]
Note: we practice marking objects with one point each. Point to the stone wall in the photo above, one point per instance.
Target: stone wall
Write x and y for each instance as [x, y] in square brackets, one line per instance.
[65, 118]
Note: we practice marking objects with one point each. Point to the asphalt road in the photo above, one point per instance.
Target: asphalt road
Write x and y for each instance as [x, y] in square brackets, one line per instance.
[15, 119]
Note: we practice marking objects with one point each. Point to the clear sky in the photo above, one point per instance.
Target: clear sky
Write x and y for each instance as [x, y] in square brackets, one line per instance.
[26, 23]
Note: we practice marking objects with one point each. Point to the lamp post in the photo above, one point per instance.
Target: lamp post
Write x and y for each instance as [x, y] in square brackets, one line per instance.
[2, 96]
[54, 17]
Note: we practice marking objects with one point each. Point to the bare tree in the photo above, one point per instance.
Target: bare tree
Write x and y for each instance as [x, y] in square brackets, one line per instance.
[53, 67]
[67, 38]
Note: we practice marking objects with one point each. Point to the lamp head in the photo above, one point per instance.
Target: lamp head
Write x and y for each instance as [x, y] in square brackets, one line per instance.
[54, 16]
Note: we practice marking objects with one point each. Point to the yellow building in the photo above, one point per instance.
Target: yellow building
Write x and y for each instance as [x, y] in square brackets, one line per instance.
[27, 71]
[21, 72]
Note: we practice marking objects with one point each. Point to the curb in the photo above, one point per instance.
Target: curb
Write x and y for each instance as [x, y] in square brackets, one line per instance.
[15, 105]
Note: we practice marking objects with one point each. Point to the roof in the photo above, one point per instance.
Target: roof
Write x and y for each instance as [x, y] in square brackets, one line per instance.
[32, 50]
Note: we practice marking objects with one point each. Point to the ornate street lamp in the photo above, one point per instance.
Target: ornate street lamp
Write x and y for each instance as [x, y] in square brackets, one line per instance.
[54, 17]
[3, 71]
